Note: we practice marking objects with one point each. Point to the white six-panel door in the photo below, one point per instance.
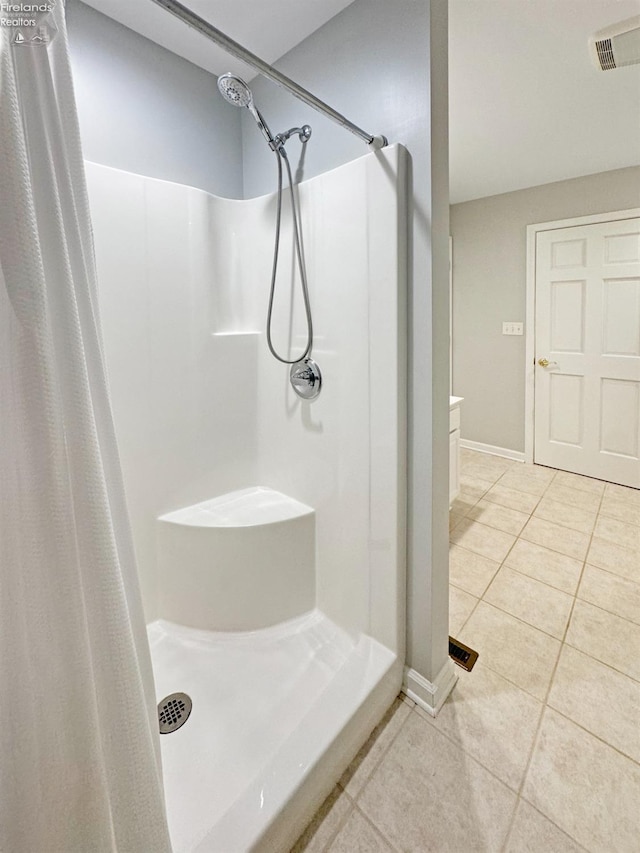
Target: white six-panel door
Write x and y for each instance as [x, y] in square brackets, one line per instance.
[587, 321]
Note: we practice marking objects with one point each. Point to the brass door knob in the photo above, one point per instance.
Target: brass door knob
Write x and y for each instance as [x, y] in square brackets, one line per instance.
[544, 362]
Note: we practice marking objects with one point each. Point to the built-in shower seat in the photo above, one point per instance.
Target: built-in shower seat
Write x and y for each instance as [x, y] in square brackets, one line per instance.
[241, 561]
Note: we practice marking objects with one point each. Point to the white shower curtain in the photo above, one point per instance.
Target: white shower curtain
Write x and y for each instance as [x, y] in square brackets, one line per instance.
[79, 752]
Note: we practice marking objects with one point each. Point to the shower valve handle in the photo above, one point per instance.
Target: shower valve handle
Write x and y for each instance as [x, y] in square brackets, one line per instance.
[304, 377]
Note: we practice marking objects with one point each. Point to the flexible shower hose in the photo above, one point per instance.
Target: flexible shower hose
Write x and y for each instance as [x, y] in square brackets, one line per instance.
[281, 154]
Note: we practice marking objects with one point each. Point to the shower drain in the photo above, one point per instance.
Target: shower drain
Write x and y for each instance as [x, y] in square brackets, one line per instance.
[173, 712]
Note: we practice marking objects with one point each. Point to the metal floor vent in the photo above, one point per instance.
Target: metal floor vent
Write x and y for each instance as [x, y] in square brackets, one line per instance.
[173, 712]
[462, 655]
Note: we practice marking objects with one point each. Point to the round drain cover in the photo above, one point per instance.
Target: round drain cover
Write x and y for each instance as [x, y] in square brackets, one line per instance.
[173, 712]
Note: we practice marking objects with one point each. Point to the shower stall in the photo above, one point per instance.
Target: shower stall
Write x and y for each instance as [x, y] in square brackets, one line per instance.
[269, 529]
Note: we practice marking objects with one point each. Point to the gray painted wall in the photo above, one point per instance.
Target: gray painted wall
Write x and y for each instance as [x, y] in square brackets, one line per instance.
[145, 110]
[489, 281]
[372, 62]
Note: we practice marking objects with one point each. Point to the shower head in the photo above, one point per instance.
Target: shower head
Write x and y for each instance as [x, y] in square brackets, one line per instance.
[236, 92]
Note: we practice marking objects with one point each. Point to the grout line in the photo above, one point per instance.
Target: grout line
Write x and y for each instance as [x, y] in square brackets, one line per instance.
[424, 715]
[614, 574]
[567, 526]
[471, 612]
[376, 828]
[475, 553]
[553, 674]
[546, 817]
[594, 735]
[512, 822]
[341, 823]
[605, 609]
[555, 551]
[598, 660]
[544, 706]
[621, 520]
[537, 580]
[375, 767]
[523, 621]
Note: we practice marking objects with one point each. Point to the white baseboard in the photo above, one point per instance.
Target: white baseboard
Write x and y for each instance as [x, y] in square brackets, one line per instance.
[494, 451]
[430, 695]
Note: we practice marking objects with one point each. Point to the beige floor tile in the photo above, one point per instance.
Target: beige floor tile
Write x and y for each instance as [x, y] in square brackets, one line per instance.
[468, 455]
[611, 592]
[573, 497]
[522, 481]
[556, 537]
[578, 519]
[511, 498]
[545, 565]
[599, 699]
[540, 471]
[428, 795]
[455, 518]
[325, 824]
[614, 558]
[483, 540]
[618, 532]
[356, 775]
[608, 638]
[471, 572]
[585, 787]
[577, 481]
[359, 836]
[489, 467]
[624, 493]
[519, 652]
[620, 508]
[462, 505]
[500, 517]
[534, 833]
[460, 606]
[536, 603]
[472, 488]
[492, 720]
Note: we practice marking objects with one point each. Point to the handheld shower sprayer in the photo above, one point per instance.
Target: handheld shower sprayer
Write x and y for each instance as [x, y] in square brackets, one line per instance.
[236, 92]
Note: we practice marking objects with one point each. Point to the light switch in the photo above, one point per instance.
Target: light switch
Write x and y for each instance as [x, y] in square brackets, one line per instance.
[511, 328]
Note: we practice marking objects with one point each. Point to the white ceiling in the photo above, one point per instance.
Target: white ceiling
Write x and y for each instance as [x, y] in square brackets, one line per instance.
[268, 28]
[526, 105]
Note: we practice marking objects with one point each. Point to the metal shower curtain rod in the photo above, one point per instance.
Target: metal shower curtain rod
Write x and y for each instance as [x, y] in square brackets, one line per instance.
[240, 52]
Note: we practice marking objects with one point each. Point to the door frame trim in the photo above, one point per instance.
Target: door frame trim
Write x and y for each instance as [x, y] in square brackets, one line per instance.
[530, 310]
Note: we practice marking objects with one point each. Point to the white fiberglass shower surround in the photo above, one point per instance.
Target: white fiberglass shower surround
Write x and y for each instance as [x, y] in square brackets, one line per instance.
[269, 530]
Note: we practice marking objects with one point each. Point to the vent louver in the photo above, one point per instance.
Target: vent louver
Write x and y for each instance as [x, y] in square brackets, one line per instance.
[616, 46]
[605, 54]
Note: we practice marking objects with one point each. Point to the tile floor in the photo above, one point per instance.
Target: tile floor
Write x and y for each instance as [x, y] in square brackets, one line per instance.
[538, 749]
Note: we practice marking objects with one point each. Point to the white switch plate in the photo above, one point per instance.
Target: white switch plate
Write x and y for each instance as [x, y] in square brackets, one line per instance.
[513, 328]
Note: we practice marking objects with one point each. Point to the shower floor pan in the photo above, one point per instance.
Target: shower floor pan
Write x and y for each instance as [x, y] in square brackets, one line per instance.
[277, 713]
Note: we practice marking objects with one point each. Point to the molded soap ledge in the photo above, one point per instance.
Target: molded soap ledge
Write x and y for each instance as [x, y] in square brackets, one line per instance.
[242, 561]
[243, 508]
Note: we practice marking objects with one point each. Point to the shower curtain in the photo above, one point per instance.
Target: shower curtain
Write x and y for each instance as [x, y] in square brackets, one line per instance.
[79, 751]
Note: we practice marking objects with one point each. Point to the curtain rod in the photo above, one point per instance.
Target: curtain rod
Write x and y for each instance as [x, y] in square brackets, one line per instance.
[240, 52]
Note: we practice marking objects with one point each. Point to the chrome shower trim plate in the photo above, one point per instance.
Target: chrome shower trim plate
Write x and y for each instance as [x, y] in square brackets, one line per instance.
[306, 379]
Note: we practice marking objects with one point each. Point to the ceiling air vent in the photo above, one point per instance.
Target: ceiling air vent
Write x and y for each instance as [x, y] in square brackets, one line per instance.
[605, 54]
[617, 45]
